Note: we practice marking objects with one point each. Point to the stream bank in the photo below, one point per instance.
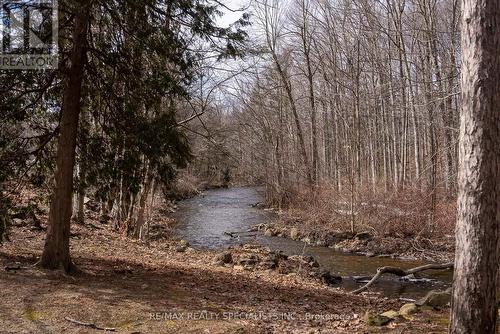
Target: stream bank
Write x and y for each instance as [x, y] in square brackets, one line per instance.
[364, 243]
[157, 287]
[166, 285]
[227, 218]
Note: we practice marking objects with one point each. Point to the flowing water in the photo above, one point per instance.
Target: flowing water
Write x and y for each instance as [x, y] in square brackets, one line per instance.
[204, 219]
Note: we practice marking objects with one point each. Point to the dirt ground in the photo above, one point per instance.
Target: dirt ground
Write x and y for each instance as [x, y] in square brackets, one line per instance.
[138, 288]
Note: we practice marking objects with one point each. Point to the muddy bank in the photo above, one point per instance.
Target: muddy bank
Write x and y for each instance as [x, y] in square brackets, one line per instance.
[367, 243]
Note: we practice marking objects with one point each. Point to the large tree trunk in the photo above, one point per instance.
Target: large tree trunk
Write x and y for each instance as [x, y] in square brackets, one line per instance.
[474, 305]
[56, 251]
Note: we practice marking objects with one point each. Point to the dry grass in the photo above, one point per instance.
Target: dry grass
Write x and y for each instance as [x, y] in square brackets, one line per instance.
[402, 222]
[404, 214]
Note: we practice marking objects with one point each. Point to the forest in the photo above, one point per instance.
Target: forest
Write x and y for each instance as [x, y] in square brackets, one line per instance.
[250, 166]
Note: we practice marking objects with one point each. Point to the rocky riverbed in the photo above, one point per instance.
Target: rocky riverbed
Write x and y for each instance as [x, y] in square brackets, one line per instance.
[255, 257]
[362, 243]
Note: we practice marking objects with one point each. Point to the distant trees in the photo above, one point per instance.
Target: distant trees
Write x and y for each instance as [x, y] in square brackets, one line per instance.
[364, 92]
[475, 287]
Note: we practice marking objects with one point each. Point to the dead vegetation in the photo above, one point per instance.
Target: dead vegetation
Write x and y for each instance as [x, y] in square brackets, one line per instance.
[122, 281]
[402, 224]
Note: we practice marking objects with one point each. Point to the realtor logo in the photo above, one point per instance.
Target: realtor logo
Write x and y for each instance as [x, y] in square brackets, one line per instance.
[28, 34]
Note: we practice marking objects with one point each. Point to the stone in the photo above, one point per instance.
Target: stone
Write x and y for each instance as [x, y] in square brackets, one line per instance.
[13, 266]
[254, 228]
[17, 221]
[267, 265]
[248, 260]
[435, 299]
[270, 232]
[363, 236]
[260, 227]
[320, 243]
[408, 309]
[333, 238]
[294, 233]
[181, 249]
[373, 319]
[258, 205]
[306, 240]
[314, 263]
[328, 278]
[223, 258]
[184, 243]
[269, 262]
[251, 247]
[390, 314]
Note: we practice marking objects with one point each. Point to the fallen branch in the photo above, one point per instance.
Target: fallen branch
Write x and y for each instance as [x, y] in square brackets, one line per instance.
[237, 234]
[90, 325]
[401, 272]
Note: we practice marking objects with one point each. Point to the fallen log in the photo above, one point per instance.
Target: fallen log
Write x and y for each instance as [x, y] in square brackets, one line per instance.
[401, 272]
[90, 325]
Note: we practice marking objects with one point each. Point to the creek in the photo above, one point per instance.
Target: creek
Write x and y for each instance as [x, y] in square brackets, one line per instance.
[202, 221]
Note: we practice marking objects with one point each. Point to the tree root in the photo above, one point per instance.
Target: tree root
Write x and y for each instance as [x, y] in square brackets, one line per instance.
[90, 325]
[401, 272]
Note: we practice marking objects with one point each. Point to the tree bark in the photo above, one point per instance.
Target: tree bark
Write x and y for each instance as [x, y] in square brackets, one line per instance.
[56, 250]
[474, 302]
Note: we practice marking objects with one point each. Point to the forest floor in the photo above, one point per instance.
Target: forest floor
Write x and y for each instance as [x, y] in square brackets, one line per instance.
[136, 287]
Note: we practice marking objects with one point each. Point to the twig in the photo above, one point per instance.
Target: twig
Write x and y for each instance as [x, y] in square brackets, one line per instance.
[401, 272]
[90, 325]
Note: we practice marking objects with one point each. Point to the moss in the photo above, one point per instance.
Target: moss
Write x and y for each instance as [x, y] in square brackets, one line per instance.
[442, 320]
[31, 315]
[407, 310]
[391, 314]
[373, 319]
[170, 324]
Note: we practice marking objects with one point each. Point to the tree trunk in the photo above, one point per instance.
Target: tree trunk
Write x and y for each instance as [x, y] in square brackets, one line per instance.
[474, 303]
[139, 227]
[293, 106]
[56, 250]
[306, 49]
